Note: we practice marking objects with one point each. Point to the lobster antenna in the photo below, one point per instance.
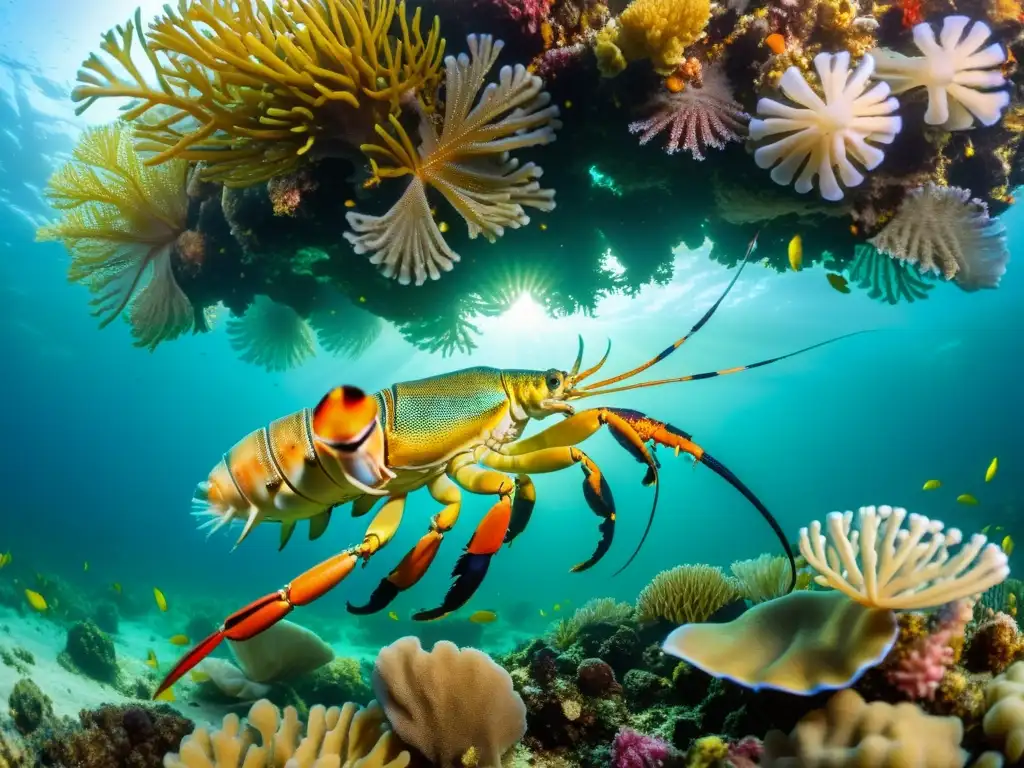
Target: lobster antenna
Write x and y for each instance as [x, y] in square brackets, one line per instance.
[595, 368]
[679, 342]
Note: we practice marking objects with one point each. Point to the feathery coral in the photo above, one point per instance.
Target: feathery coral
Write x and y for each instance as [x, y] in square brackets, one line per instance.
[706, 116]
[250, 88]
[468, 163]
[271, 335]
[941, 229]
[883, 565]
[763, 578]
[660, 30]
[342, 328]
[120, 223]
[823, 134]
[346, 737]
[955, 70]
[686, 593]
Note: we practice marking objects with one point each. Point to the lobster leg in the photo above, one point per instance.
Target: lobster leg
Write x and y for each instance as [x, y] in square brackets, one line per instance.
[307, 587]
[523, 501]
[595, 488]
[472, 565]
[416, 562]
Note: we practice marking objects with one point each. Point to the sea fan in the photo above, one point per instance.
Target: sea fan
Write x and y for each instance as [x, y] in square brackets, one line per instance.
[701, 117]
[885, 278]
[447, 334]
[271, 335]
[342, 328]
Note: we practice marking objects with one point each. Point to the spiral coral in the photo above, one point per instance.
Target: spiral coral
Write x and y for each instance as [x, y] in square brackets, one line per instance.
[957, 73]
[686, 594]
[822, 134]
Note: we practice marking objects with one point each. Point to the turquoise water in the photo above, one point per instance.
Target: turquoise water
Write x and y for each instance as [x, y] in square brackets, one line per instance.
[103, 443]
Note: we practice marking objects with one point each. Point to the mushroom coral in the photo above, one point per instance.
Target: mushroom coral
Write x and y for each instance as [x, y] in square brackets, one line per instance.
[467, 162]
[120, 222]
[822, 134]
[250, 88]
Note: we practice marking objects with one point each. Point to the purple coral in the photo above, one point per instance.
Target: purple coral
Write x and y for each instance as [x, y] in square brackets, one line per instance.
[707, 116]
[530, 14]
[920, 671]
[632, 749]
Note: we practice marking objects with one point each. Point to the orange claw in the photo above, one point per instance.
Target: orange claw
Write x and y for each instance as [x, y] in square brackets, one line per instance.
[490, 534]
[321, 579]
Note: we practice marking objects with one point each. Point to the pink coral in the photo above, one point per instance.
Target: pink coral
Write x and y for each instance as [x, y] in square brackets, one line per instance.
[632, 749]
[918, 674]
[531, 14]
[745, 753]
[707, 116]
[554, 61]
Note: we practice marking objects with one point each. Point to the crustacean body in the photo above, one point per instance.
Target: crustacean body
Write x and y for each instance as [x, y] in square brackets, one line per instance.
[456, 432]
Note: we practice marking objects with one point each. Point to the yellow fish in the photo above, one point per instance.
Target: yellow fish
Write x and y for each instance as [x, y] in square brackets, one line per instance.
[483, 617]
[86, 566]
[350, 203]
[161, 601]
[443, 227]
[198, 676]
[5, 559]
[167, 695]
[1007, 545]
[1011, 601]
[992, 469]
[796, 253]
[179, 640]
[543, 227]
[37, 601]
[542, 612]
[966, 498]
[116, 586]
[556, 607]
[568, 104]
[151, 659]
[931, 485]
[838, 282]
[392, 615]
[990, 529]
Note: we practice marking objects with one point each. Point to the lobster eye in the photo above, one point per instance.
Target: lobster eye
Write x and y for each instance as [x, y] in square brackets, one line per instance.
[554, 380]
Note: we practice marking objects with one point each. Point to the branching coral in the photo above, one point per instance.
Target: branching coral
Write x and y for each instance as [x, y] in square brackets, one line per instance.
[468, 163]
[271, 335]
[250, 87]
[120, 223]
[346, 737]
[686, 593]
[941, 229]
[822, 134]
[957, 73]
[702, 117]
[883, 565]
[658, 30]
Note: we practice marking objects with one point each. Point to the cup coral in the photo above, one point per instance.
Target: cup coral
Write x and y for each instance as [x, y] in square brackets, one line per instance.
[957, 73]
[822, 134]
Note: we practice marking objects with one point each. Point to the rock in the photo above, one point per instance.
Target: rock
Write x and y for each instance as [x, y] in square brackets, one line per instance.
[91, 652]
[30, 707]
[284, 651]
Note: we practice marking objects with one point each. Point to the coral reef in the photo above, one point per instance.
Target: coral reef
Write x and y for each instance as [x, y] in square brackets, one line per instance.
[29, 706]
[90, 652]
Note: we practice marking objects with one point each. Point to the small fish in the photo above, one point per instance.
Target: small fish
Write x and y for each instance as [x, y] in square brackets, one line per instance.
[116, 586]
[966, 498]
[988, 530]
[151, 659]
[543, 227]
[179, 640]
[161, 601]
[167, 695]
[568, 104]
[350, 203]
[483, 617]
[37, 601]
[556, 607]
[776, 43]
[392, 615]
[796, 253]
[931, 485]
[1007, 545]
[838, 282]
[5, 559]
[198, 676]
[992, 469]
[969, 149]
[542, 612]
[85, 567]
[1011, 602]
[443, 227]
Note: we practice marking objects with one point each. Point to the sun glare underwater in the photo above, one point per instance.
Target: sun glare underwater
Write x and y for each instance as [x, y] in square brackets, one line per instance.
[558, 383]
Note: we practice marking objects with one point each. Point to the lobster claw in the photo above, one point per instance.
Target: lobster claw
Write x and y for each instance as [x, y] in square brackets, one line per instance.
[599, 497]
[471, 567]
[523, 501]
[409, 571]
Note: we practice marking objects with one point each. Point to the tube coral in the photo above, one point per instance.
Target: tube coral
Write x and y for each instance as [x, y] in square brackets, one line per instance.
[120, 223]
[251, 88]
[955, 70]
[819, 135]
[467, 162]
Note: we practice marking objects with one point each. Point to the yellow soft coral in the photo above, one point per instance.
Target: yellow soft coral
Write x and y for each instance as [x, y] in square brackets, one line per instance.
[250, 87]
[660, 30]
[685, 594]
[120, 223]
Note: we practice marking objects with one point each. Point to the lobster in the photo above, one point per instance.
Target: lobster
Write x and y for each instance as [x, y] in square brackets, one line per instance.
[454, 432]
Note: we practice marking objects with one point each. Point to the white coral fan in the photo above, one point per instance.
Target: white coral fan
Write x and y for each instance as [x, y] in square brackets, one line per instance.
[821, 135]
[707, 116]
[941, 229]
[954, 69]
